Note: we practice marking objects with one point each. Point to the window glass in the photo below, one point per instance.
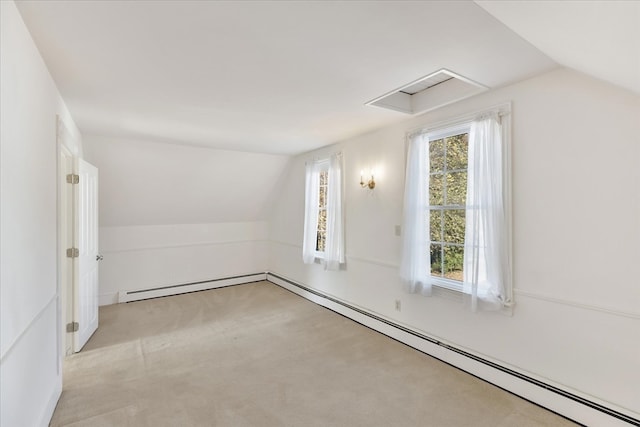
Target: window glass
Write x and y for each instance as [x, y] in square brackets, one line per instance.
[321, 235]
[447, 199]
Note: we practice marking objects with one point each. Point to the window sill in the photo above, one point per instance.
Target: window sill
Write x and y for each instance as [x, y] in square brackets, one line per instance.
[450, 285]
[447, 293]
[453, 290]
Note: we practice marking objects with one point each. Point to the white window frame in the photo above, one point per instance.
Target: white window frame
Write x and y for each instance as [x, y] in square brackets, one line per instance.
[433, 135]
[333, 256]
[449, 127]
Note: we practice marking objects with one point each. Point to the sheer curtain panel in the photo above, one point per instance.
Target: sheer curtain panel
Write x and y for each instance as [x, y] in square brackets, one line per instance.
[334, 247]
[487, 259]
[415, 263]
[311, 200]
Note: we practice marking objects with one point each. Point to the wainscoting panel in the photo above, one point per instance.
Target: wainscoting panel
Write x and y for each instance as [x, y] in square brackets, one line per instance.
[151, 257]
[562, 400]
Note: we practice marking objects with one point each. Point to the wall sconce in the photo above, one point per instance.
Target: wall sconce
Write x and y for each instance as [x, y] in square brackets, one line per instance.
[371, 183]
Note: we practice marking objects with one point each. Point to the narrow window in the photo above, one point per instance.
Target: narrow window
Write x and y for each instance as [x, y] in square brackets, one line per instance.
[447, 199]
[323, 238]
[321, 232]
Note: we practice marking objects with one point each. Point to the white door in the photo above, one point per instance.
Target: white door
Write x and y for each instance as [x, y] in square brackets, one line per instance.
[65, 233]
[86, 279]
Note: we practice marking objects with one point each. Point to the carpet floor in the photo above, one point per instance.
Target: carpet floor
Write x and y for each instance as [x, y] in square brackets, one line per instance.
[258, 355]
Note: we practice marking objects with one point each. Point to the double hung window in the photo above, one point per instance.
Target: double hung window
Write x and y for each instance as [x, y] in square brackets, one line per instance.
[457, 212]
[323, 223]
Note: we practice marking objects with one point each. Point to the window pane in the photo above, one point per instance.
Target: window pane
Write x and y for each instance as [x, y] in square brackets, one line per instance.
[456, 188]
[322, 230]
[320, 241]
[322, 220]
[448, 189]
[436, 155]
[323, 197]
[323, 177]
[453, 262]
[454, 226]
[457, 148]
[435, 225]
[436, 260]
[321, 235]
[435, 190]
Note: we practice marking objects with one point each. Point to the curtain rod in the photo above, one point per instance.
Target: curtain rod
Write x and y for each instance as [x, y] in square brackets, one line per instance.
[323, 158]
[503, 109]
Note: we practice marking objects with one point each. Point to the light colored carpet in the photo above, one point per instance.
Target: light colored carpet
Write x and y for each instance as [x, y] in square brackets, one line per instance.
[258, 355]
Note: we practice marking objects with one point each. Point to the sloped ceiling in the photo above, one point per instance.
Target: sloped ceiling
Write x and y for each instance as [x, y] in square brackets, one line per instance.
[150, 183]
[600, 38]
[262, 76]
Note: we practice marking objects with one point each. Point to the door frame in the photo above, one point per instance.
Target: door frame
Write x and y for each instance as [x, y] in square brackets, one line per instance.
[66, 164]
[66, 233]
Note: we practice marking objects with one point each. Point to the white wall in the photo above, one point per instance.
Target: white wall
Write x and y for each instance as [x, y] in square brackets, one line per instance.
[147, 257]
[576, 207]
[172, 214]
[30, 365]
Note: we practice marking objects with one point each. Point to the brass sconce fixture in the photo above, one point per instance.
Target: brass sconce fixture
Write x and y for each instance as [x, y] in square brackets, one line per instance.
[371, 184]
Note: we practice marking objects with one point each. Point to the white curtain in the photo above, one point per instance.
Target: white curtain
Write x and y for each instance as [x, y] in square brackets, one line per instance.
[487, 263]
[415, 264]
[334, 244]
[311, 200]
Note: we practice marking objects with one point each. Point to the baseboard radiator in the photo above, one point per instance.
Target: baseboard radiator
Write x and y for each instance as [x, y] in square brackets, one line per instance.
[563, 402]
[163, 291]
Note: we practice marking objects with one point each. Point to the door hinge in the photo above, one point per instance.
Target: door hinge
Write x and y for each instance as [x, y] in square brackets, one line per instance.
[72, 178]
[73, 253]
[73, 327]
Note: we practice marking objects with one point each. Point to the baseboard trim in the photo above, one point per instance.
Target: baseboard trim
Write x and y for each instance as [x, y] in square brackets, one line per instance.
[163, 291]
[563, 402]
[108, 299]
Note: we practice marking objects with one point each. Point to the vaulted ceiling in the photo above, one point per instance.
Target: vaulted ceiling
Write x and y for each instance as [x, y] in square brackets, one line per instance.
[600, 38]
[274, 77]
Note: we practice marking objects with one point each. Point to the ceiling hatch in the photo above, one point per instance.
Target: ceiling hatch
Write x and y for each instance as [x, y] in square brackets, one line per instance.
[428, 93]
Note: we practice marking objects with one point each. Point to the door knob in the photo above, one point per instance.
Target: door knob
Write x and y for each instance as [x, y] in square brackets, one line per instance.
[99, 257]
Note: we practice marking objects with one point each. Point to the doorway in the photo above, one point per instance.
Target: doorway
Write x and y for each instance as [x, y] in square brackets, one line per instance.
[78, 252]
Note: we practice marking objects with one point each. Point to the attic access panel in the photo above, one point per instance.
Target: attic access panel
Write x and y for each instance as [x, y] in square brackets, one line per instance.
[428, 93]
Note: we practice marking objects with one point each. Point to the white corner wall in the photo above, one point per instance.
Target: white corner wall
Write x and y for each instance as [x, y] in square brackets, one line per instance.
[153, 256]
[172, 214]
[576, 208]
[30, 353]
